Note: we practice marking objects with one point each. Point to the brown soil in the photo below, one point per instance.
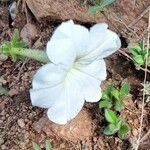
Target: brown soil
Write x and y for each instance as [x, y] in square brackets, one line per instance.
[18, 117]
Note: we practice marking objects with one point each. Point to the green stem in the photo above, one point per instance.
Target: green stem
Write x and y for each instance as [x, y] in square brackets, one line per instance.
[38, 55]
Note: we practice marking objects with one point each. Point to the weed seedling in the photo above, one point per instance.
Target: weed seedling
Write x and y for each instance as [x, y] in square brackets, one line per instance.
[99, 5]
[139, 53]
[116, 124]
[113, 97]
[47, 146]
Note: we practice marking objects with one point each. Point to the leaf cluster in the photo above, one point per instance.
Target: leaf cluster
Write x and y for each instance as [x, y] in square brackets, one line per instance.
[8, 48]
[116, 124]
[47, 146]
[99, 5]
[113, 97]
[139, 53]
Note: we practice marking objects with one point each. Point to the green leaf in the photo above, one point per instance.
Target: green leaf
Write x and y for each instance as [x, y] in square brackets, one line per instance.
[93, 9]
[36, 146]
[106, 94]
[110, 129]
[105, 3]
[104, 103]
[125, 88]
[119, 105]
[115, 94]
[15, 36]
[123, 131]
[110, 116]
[21, 44]
[99, 6]
[3, 91]
[142, 44]
[135, 49]
[119, 123]
[139, 59]
[48, 145]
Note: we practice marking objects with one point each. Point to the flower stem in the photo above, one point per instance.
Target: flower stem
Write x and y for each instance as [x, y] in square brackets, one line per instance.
[38, 55]
[14, 52]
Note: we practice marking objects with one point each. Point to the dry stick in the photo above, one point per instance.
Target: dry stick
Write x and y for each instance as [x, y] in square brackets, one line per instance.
[145, 136]
[116, 18]
[144, 94]
[139, 17]
[125, 54]
[134, 1]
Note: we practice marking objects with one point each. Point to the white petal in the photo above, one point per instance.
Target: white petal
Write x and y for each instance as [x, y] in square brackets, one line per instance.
[78, 87]
[68, 106]
[89, 85]
[68, 42]
[103, 43]
[96, 69]
[45, 97]
[48, 75]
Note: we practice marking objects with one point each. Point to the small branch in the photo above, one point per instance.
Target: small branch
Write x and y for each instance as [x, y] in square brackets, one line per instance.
[129, 57]
[139, 17]
[145, 136]
[134, 2]
[144, 93]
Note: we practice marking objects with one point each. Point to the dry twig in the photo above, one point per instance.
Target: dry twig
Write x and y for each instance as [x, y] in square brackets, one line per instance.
[145, 136]
[130, 58]
[144, 94]
[139, 17]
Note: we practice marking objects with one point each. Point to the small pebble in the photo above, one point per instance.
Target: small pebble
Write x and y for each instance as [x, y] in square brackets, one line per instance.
[21, 123]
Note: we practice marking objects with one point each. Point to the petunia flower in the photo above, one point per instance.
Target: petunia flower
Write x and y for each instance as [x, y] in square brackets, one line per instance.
[76, 70]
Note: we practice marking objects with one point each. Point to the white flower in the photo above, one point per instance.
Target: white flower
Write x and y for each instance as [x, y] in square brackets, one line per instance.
[76, 69]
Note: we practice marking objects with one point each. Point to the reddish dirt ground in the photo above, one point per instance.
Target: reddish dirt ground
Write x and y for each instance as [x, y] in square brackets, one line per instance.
[18, 118]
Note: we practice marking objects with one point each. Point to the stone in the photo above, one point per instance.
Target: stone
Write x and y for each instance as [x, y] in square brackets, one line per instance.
[80, 128]
[29, 32]
[21, 123]
[62, 10]
[121, 16]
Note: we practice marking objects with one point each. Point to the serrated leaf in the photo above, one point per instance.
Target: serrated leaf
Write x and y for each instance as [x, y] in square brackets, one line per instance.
[120, 122]
[115, 94]
[3, 91]
[110, 116]
[48, 145]
[104, 103]
[110, 129]
[36, 146]
[123, 131]
[119, 105]
[125, 88]
[106, 94]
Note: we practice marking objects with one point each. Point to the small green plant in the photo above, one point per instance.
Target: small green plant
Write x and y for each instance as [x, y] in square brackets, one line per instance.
[17, 49]
[116, 124]
[139, 53]
[3, 91]
[113, 97]
[99, 5]
[47, 146]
